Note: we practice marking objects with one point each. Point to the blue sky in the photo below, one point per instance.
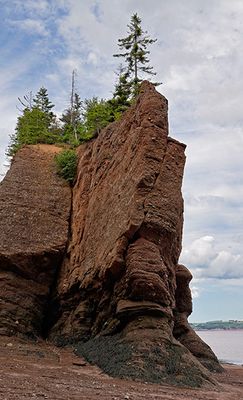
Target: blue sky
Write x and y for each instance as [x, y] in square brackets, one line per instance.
[198, 57]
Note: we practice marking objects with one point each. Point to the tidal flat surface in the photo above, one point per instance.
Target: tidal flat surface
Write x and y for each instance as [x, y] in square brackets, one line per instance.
[226, 344]
[39, 370]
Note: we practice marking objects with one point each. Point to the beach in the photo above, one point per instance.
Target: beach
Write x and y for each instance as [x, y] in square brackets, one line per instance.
[39, 370]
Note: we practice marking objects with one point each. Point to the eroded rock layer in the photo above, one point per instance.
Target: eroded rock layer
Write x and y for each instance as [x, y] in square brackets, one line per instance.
[34, 222]
[182, 330]
[117, 285]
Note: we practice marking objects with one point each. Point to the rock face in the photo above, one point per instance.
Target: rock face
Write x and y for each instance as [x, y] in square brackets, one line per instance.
[34, 219]
[117, 288]
[182, 330]
[126, 222]
[118, 292]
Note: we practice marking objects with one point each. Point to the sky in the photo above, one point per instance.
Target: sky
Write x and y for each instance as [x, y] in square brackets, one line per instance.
[198, 57]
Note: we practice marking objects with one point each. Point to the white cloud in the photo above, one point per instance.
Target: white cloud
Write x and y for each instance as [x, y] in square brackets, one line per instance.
[227, 265]
[195, 291]
[31, 7]
[32, 26]
[207, 261]
[53, 77]
[92, 58]
[200, 252]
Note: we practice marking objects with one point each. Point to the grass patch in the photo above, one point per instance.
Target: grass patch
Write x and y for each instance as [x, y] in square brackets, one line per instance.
[66, 162]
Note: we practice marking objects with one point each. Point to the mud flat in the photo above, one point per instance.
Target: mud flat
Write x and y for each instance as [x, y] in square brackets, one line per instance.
[42, 371]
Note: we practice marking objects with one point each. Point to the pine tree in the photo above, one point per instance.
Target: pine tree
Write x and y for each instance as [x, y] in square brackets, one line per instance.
[42, 102]
[122, 92]
[37, 124]
[97, 114]
[72, 119]
[77, 108]
[31, 128]
[72, 115]
[135, 52]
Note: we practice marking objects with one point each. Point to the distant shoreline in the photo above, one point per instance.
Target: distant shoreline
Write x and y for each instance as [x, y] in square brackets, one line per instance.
[217, 329]
[218, 325]
[230, 364]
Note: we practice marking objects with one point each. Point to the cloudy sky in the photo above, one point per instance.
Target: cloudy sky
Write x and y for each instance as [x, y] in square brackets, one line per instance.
[198, 57]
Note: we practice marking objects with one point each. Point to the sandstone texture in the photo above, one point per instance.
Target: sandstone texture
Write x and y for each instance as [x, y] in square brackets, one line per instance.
[100, 270]
[34, 222]
[126, 222]
[182, 330]
[117, 288]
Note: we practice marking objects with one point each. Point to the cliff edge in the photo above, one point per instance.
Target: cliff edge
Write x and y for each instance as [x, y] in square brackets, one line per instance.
[34, 222]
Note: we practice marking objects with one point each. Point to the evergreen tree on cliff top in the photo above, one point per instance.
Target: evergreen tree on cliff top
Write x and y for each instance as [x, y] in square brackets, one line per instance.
[42, 102]
[135, 53]
[72, 120]
[122, 93]
[35, 124]
[32, 128]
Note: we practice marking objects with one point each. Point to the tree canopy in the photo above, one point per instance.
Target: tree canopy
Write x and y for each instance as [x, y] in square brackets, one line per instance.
[97, 114]
[122, 92]
[42, 102]
[83, 119]
[32, 128]
[72, 120]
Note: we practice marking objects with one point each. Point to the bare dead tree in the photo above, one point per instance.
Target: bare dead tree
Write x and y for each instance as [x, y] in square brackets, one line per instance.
[26, 102]
[72, 102]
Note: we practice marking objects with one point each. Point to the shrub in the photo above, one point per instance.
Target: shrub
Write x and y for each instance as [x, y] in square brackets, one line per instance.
[66, 162]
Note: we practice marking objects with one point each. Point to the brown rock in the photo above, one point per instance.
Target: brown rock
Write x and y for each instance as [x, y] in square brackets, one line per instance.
[119, 293]
[117, 285]
[182, 330]
[34, 217]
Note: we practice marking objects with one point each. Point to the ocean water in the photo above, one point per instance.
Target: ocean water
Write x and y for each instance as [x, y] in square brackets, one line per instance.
[226, 344]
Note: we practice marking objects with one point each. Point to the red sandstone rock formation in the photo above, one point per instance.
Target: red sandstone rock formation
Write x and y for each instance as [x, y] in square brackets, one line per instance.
[34, 218]
[182, 330]
[120, 296]
[126, 221]
[117, 285]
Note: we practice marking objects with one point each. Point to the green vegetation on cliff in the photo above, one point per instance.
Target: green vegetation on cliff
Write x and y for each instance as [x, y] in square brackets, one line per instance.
[83, 119]
[134, 51]
[66, 162]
